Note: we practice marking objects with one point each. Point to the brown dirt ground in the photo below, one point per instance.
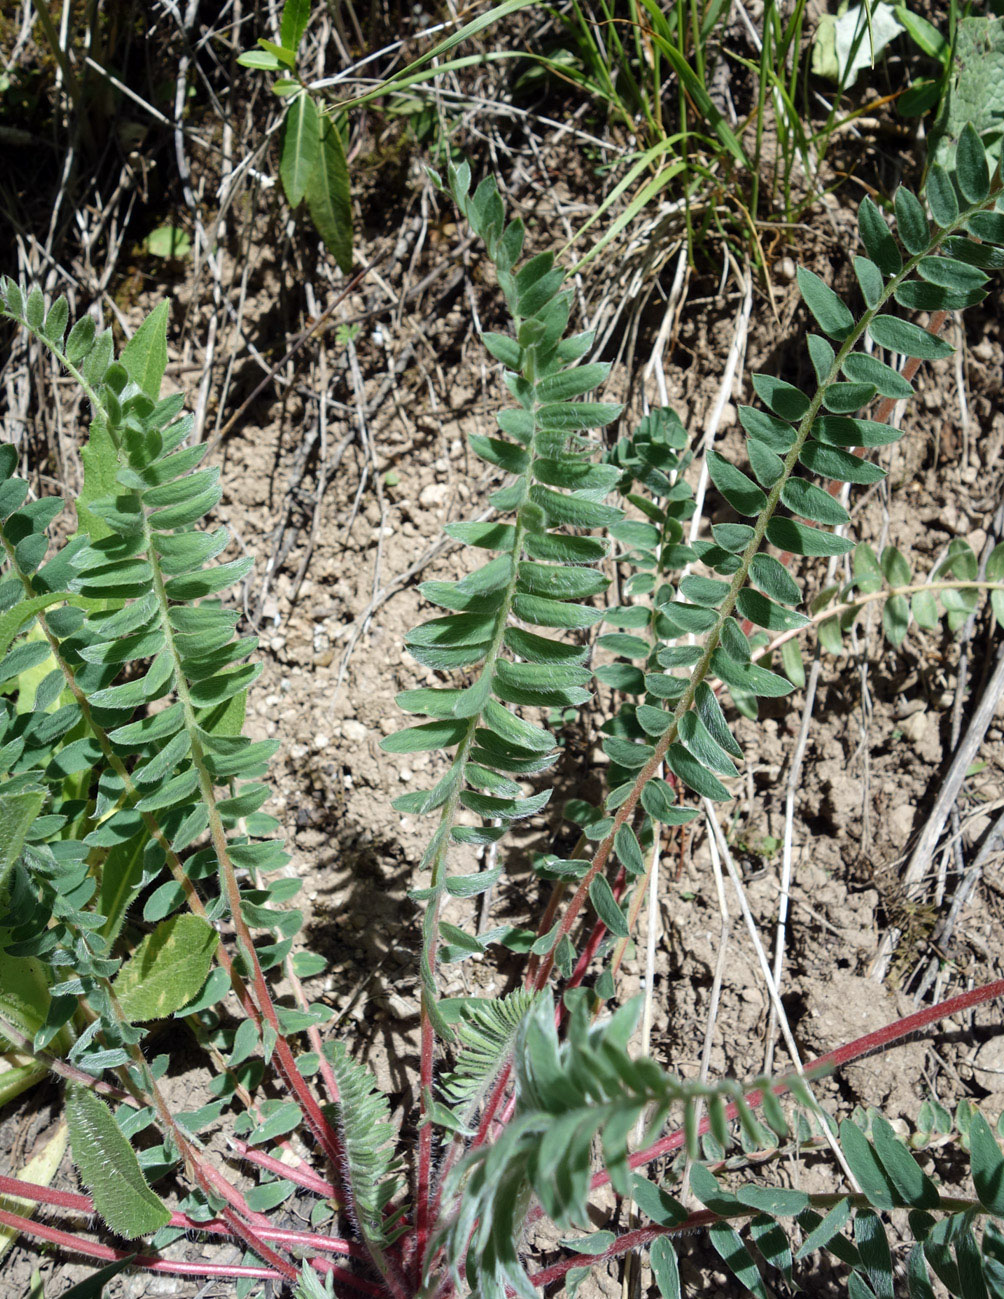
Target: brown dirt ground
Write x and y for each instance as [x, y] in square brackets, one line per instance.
[878, 747]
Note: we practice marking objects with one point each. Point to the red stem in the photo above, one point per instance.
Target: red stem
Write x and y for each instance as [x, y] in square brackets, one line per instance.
[881, 1037]
[300, 1173]
[214, 1226]
[423, 1198]
[630, 1240]
[148, 1263]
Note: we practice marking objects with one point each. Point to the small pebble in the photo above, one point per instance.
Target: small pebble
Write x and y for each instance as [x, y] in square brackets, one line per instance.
[433, 495]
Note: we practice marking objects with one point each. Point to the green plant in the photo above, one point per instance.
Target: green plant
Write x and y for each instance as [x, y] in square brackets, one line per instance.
[142, 882]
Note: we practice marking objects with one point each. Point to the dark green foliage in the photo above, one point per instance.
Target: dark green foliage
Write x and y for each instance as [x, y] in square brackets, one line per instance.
[123, 706]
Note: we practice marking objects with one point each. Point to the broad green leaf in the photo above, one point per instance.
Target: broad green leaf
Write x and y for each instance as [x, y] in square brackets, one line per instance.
[971, 168]
[877, 239]
[811, 502]
[914, 1186]
[836, 430]
[988, 1164]
[167, 969]
[800, 539]
[698, 739]
[328, 196]
[896, 619]
[18, 809]
[300, 148]
[862, 367]
[791, 661]
[737, 1257]
[771, 576]
[145, 355]
[907, 338]
[740, 491]
[665, 1268]
[109, 1168]
[822, 355]
[602, 897]
[870, 1238]
[911, 221]
[864, 1164]
[772, 1243]
[870, 279]
[832, 462]
[918, 1280]
[831, 312]
[749, 677]
[695, 776]
[951, 274]
[778, 1202]
[765, 613]
[295, 16]
[784, 399]
[824, 1231]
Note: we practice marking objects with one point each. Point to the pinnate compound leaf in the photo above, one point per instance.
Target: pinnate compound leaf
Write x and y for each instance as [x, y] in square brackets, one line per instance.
[167, 969]
[109, 1168]
[831, 312]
